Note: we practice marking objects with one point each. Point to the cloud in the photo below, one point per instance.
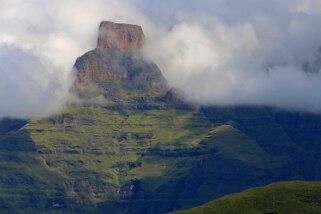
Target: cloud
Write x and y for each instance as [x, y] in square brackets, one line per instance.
[39, 43]
[38, 81]
[221, 52]
[308, 7]
[243, 53]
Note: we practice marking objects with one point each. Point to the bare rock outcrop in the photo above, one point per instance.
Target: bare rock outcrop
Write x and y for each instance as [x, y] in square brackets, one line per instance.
[116, 67]
[120, 36]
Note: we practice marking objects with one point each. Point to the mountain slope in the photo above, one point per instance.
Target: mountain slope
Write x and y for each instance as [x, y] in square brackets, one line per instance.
[283, 198]
[132, 145]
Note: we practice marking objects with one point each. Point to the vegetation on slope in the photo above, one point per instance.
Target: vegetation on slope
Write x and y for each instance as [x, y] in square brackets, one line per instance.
[96, 155]
[95, 158]
[280, 198]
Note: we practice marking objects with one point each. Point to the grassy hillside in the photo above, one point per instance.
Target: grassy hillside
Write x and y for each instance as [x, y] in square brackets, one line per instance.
[100, 156]
[95, 158]
[281, 198]
[26, 184]
[98, 150]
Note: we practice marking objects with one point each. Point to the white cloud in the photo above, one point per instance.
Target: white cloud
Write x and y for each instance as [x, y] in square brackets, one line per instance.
[191, 49]
[39, 42]
[217, 51]
[249, 52]
[308, 7]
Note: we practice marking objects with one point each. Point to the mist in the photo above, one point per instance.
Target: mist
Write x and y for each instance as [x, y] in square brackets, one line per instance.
[39, 43]
[218, 52]
[263, 53]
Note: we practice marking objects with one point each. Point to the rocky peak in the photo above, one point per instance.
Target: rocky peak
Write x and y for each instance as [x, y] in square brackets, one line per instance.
[116, 69]
[120, 36]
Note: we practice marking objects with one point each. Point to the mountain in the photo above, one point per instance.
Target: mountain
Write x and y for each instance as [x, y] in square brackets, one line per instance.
[282, 198]
[116, 70]
[133, 145]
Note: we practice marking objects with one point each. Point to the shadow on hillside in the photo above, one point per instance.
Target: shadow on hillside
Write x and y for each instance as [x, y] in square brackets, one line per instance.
[7, 125]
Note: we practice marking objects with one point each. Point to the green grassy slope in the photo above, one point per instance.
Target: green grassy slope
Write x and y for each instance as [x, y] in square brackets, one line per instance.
[281, 198]
[109, 148]
[97, 156]
[147, 149]
[26, 184]
[279, 133]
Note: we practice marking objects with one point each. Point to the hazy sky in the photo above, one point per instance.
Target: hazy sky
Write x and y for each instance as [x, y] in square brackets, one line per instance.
[221, 52]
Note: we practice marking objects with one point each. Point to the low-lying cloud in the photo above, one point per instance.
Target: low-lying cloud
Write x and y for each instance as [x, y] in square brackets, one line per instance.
[220, 52]
[38, 89]
[244, 53]
[39, 43]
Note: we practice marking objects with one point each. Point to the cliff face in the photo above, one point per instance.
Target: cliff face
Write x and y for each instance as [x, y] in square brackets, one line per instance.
[116, 68]
[120, 36]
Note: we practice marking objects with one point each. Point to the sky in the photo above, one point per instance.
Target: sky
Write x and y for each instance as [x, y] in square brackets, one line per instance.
[218, 52]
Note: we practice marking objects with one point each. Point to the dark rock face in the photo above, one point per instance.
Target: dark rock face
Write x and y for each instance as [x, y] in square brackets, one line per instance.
[120, 36]
[116, 67]
[113, 73]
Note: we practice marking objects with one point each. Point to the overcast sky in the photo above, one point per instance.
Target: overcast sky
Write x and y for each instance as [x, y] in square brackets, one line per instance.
[220, 52]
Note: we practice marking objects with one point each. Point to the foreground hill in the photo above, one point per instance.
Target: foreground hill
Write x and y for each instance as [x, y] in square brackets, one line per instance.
[280, 198]
[132, 145]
